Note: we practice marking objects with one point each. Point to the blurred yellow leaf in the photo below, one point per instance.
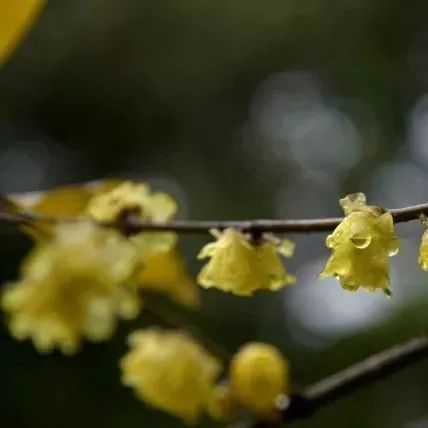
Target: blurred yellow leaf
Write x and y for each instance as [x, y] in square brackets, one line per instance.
[16, 17]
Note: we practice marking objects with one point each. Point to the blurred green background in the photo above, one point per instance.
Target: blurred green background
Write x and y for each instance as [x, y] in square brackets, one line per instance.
[240, 109]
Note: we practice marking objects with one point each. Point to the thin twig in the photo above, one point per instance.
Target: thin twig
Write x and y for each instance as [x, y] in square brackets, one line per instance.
[134, 225]
[336, 386]
[253, 226]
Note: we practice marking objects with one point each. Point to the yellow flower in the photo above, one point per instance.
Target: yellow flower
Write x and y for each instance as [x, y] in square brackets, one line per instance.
[162, 269]
[240, 267]
[423, 249]
[259, 374]
[170, 371]
[362, 245]
[15, 19]
[135, 198]
[165, 272]
[72, 286]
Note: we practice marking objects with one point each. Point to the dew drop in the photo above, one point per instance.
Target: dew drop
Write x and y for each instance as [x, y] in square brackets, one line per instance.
[361, 242]
[393, 252]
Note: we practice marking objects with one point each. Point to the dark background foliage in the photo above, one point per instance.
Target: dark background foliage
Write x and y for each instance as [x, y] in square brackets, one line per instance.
[240, 109]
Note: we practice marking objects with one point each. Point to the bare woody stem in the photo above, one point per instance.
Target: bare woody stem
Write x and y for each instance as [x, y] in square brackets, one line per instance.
[132, 224]
[259, 226]
[336, 386]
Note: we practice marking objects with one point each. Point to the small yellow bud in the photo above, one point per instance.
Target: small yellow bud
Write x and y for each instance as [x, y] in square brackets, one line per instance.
[259, 374]
[362, 245]
[170, 371]
[72, 286]
[240, 267]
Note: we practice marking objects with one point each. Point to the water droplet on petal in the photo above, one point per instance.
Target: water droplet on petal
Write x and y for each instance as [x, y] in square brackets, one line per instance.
[361, 242]
[393, 251]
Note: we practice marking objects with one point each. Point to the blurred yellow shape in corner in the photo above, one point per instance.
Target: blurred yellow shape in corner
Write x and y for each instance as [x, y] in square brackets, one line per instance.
[16, 17]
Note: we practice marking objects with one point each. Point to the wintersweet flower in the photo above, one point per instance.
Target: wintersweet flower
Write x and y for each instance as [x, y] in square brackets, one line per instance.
[171, 371]
[241, 267]
[259, 374]
[161, 269]
[423, 249]
[362, 245]
[72, 286]
[135, 198]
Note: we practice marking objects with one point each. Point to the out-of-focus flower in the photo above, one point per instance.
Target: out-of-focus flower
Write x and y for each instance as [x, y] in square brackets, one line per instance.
[259, 374]
[170, 371]
[65, 201]
[241, 267]
[15, 19]
[73, 286]
[362, 245]
[134, 198]
[162, 269]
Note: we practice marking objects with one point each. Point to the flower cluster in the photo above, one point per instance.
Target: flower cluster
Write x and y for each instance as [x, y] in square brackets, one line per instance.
[81, 277]
[87, 271]
[170, 370]
[74, 286]
[258, 379]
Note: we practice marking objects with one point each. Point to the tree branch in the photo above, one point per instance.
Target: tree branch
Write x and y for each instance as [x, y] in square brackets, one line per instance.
[336, 386]
[132, 224]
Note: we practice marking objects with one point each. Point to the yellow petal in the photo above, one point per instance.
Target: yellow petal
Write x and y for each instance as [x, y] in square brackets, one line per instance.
[16, 17]
[165, 272]
[231, 265]
[66, 201]
[423, 251]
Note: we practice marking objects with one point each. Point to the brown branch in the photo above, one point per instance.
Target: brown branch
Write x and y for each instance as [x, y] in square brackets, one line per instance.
[336, 386]
[132, 224]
